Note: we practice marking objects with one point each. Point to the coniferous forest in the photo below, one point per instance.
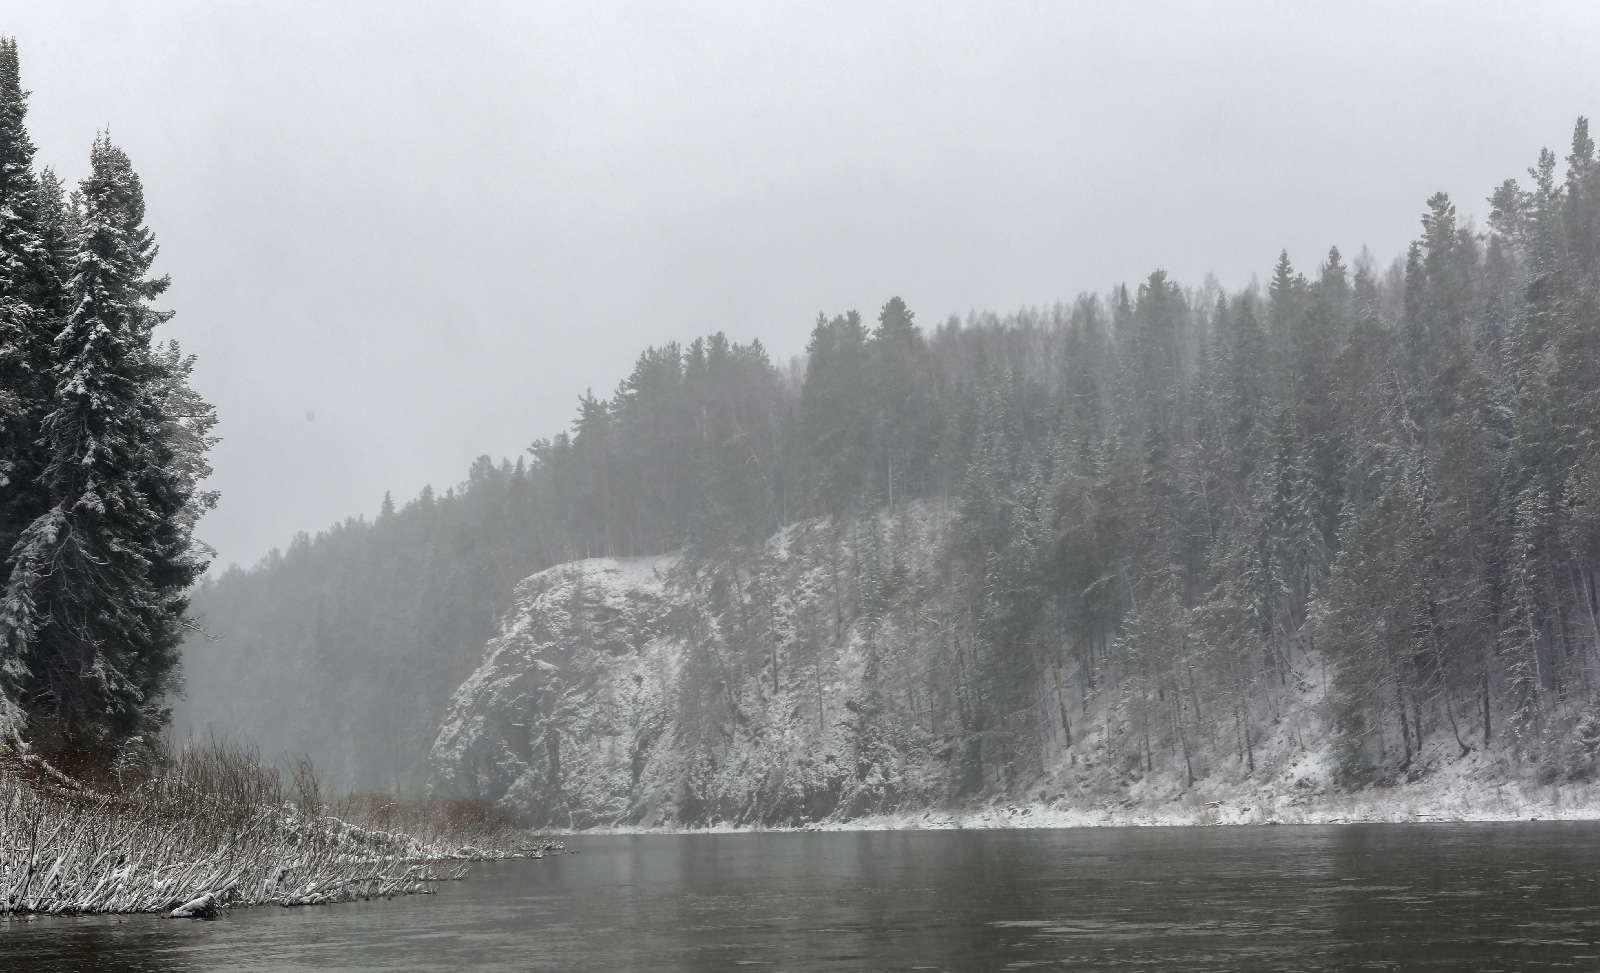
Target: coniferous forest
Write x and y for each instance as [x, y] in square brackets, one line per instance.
[1158, 511]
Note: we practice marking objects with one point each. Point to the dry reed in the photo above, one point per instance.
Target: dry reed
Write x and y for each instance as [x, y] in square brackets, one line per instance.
[212, 826]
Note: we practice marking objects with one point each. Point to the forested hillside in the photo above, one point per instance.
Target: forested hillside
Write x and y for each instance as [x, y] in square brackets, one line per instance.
[1161, 509]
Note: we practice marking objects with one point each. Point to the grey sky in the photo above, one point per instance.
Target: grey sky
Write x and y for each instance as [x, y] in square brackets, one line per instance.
[433, 225]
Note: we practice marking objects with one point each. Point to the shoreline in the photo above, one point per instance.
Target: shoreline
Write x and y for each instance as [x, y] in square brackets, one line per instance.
[1503, 803]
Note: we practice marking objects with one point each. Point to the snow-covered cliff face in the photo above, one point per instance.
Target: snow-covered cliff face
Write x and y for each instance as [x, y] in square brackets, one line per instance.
[744, 689]
[845, 669]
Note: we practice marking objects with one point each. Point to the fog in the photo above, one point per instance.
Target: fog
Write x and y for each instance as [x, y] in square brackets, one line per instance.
[402, 235]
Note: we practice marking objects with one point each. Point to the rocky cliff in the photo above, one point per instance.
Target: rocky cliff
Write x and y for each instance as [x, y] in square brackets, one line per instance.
[744, 689]
[830, 675]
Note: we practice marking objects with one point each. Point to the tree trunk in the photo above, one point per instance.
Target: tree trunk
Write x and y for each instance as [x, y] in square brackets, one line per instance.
[552, 747]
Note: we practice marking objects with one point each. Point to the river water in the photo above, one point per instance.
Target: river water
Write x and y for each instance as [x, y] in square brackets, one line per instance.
[1510, 897]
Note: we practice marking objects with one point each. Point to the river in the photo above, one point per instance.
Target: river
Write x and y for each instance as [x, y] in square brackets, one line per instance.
[1480, 897]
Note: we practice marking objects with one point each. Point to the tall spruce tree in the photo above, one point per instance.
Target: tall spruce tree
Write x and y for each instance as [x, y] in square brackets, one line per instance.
[94, 605]
[29, 296]
[30, 302]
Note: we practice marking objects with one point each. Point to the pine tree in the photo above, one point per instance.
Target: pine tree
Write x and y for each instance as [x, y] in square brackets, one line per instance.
[1245, 382]
[834, 421]
[902, 429]
[30, 301]
[1581, 210]
[1287, 291]
[1542, 209]
[95, 604]
[1520, 639]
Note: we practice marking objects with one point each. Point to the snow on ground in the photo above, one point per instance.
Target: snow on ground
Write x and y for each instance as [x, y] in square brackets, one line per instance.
[1463, 796]
[1291, 784]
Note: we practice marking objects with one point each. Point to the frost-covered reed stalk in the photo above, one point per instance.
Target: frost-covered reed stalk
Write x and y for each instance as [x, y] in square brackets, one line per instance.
[209, 828]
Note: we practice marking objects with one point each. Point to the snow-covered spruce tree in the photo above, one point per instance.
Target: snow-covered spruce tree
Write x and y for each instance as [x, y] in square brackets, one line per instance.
[30, 305]
[29, 299]
[94, 607]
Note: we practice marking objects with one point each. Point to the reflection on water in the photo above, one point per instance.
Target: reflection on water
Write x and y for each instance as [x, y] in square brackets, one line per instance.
[1514, 897]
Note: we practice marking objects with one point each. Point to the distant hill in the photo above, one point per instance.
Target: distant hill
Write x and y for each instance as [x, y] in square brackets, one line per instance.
[1169, 533]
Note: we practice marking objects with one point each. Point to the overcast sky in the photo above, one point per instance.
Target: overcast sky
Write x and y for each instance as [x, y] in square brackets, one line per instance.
[432, 226]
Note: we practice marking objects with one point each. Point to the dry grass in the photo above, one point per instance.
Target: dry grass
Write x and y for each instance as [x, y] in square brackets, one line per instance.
[463, 828]
[214, 819]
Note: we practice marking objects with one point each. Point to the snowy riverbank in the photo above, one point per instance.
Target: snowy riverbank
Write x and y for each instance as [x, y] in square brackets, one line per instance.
[1471, 788]
[1564, 803]
[212, 830]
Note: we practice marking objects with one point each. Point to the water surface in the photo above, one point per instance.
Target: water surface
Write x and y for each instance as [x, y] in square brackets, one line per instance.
[1506, 897]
